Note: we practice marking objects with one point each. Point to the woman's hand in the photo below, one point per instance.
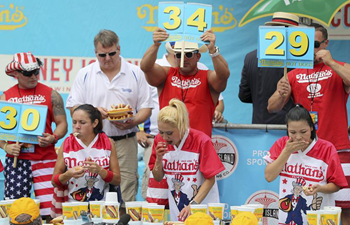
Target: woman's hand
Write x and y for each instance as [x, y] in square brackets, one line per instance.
[294, 145]
[76, 172]
[185, 212]
[311, 190]
[161, 150]
[93, 167]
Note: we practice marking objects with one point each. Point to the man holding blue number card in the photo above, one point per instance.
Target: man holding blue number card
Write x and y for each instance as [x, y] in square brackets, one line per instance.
[323, 91]
[198, 89]
[35, 162]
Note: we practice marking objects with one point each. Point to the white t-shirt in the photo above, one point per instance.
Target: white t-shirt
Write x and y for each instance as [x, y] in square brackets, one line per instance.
[129, 86]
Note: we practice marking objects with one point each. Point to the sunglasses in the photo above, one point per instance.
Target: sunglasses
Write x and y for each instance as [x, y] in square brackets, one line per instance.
[30, 73]
[188, 55]
[318, 44]
[102, 55]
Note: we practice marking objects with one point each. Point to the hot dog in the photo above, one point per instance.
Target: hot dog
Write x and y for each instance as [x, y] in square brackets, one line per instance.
[111, 211]
[3, 211]
[135, 216]
[75, 215]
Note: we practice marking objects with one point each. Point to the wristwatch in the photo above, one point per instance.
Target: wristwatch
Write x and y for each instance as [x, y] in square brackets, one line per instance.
[193, 202]
[216, 53]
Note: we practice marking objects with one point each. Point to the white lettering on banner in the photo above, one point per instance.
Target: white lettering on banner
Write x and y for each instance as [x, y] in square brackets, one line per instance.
[257, 158]
[339, 29]
[186, 83]
[56, 72]
[313, 173]
[36, 99]
[318, 76]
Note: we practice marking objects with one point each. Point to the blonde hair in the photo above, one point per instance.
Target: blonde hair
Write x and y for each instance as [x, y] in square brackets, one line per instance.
[176, 115]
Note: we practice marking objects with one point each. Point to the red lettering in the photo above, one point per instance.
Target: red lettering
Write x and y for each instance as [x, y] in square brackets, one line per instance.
[91, 61]
[67, 69]
[346, 15]
[336, 22]
[44, 70]
[53, 69]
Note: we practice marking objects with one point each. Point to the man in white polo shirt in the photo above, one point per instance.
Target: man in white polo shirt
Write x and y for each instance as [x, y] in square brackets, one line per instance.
[112, 80]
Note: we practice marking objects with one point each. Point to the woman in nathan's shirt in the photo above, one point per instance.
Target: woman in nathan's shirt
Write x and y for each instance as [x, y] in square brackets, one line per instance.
[309, 169]
[87, 160]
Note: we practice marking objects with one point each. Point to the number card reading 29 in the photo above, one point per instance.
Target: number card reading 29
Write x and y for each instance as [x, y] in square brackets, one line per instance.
[292, 47]
[184, 22]
[22, 122]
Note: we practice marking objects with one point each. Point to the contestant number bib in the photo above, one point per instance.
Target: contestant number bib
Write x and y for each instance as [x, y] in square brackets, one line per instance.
[292, 47]
[22, 122]
[184, 22]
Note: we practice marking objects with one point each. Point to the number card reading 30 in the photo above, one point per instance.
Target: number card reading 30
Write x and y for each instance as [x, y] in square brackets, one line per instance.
[280, 46]
[22, 122]
[184, 22]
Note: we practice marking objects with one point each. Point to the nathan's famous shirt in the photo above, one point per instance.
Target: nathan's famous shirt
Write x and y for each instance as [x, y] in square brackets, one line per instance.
[318, 164]
[186, 167]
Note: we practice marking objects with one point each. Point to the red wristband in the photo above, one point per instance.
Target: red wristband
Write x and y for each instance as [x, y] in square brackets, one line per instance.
[109, 176]
[56, 138]
[57, 180]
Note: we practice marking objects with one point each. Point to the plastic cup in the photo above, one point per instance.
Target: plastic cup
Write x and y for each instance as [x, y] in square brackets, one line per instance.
[216, 210]
[70, 210]
[145, 217]
[134, 209]
[96, 210]
[83, 208]
[337, 209]
[259, 210]
[110, 212]
[199, 208]
[313, 217]
[245, 209]
[234, 211]
[329, 216]
[111, 197]
[70, 222]
[156, 213]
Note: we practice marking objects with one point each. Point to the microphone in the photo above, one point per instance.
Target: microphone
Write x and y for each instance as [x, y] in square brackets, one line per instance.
[124, 219]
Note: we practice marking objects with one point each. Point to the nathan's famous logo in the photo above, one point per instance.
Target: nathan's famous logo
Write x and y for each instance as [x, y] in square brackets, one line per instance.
[270, 201]
[11, 17]
[223, 18]
[227, 152]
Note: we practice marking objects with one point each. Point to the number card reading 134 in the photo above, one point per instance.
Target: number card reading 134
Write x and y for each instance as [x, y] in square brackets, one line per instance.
[292, 47]
[184, 22]
[22, 122]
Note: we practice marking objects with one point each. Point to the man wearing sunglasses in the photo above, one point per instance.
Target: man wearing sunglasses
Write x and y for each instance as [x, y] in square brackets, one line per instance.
[35, 162]
[111, 80]
[198, 89]
[324, 91]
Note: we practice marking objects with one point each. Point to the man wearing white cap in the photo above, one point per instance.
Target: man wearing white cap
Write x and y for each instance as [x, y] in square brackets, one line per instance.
[198, 89]
[35, 162]
[258, 84]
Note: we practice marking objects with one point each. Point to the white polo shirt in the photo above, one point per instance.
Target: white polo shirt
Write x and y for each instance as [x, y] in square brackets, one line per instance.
[93, 87]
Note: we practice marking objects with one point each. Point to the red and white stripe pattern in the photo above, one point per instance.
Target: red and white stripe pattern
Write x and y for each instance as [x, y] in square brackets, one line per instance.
[342, 197]
[42, 174]
[60, 196]
[157, 192]
[22, 61]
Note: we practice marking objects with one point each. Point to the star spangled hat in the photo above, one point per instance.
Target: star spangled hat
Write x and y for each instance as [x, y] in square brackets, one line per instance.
[24, 61]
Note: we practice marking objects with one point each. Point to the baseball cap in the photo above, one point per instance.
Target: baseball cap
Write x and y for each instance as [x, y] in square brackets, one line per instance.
[199, 218]
[26, 206]
[283, 19]
[188, 47]
[245, 218]
[24, 61]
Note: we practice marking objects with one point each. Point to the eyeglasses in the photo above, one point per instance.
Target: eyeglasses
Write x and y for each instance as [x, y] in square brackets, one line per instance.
[30, 73]
[318, 44]
[188, 55]
[102, 55]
